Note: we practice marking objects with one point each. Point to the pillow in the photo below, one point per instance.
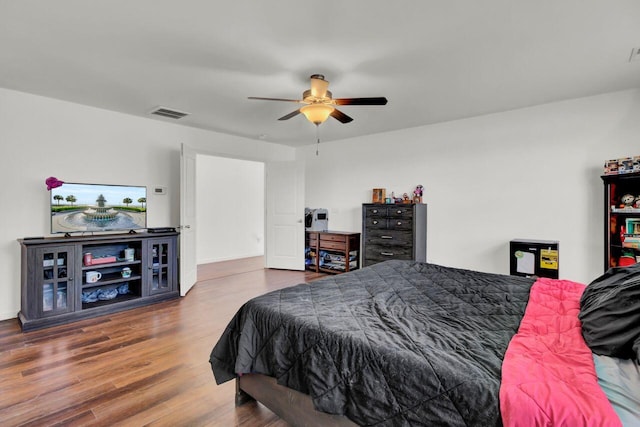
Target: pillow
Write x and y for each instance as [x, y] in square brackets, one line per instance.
[610, 313]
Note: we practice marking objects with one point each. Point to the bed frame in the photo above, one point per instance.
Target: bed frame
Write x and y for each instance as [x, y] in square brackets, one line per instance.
[292, 406]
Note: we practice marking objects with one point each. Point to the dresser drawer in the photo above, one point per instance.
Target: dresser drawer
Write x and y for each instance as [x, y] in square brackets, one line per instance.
[375, 222]
[330, 245]
[388, 237]
[376, 211]
[400, 211]
[383, 253]
[332, 238]
[400, 224]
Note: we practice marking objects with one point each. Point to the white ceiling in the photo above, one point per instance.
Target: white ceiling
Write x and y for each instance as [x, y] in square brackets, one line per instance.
[435, 60]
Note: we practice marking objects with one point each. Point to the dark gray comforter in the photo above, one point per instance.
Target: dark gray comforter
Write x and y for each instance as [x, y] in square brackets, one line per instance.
[397, 343]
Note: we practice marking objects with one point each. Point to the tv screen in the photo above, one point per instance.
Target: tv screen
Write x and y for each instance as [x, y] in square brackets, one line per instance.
[93, 207]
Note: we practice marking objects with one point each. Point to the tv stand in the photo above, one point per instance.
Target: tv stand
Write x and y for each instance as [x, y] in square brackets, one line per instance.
[77, 277]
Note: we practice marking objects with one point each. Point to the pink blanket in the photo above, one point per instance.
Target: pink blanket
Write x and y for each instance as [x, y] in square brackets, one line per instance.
[548, 375]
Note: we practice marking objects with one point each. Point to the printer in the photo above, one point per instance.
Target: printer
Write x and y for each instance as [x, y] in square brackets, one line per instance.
[316, 219]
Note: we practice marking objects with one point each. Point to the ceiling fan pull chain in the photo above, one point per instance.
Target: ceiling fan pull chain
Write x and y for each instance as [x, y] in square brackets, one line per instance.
[317, 138]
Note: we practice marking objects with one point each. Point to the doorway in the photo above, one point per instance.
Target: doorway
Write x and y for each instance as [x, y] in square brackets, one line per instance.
[230, 209]
[284, 211]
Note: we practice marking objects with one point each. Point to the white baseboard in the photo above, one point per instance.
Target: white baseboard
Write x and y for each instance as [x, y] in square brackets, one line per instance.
[8, 315]
[230, 258]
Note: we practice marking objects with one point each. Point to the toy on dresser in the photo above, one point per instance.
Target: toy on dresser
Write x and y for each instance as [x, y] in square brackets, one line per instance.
[417, 194]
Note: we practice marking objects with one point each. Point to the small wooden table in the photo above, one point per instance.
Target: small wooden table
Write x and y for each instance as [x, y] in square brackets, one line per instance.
[332, 251]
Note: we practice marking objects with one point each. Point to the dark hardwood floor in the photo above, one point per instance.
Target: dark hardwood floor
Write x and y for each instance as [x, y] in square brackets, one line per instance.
[147, 366]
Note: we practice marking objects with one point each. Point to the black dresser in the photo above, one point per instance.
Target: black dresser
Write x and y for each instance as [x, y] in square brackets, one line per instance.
[393, 231]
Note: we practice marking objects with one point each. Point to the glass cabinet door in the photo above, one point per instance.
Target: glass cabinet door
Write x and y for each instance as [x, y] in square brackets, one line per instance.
[54, 280]
[161, 279]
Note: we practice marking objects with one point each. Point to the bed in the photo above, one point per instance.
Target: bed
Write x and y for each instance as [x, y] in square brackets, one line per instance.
[410, 343]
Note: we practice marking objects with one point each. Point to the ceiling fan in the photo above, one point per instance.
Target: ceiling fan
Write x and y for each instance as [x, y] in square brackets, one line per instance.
[319, 104]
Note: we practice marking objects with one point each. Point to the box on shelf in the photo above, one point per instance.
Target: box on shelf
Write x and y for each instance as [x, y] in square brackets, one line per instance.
[625, 165]
[622, 165]
[103, 260]
[611, 167]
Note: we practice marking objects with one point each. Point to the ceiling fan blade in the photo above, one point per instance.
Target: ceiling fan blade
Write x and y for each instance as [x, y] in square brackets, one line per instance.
[274, 99]
[380, 100]
[340, 116]
[291, 114]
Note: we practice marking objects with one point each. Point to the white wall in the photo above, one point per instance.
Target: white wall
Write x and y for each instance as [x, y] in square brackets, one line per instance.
[529, 173]
[230, 208]
[41, 137]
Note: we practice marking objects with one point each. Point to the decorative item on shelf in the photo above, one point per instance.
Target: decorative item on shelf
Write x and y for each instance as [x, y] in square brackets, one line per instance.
[622, 165]
[625, 165]
[87, 258]
[379, 195]
[126, 272]
[93, 276]
[627, 258]
[627, 201]
[417, 194]
[107, 294]
[611, 167]
[632, 226]
[129, 254]
[405, 198]
[90, 296]
[62, 299]
[104, 294]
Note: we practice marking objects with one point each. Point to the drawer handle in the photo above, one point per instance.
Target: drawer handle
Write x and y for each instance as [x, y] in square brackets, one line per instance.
[375, 211]
[399, 223]
[386, 253]
[399, 212]
[386, 237]
[375, 222]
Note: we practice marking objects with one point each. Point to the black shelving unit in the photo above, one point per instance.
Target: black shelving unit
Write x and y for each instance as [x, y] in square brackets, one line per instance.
[621, 220]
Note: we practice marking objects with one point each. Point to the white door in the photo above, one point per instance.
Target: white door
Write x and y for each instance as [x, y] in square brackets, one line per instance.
[284, 216]
[188, 264]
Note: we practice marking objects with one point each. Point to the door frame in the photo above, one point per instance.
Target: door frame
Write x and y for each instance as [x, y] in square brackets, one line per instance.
[263, 159]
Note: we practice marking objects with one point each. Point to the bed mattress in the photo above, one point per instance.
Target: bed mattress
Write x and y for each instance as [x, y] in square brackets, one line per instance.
[397, 343]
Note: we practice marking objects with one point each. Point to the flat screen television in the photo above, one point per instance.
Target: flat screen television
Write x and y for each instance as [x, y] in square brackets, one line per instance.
[96, 207]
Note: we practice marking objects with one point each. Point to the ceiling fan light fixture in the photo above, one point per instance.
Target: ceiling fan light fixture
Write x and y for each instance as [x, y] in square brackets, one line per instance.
[317, 113]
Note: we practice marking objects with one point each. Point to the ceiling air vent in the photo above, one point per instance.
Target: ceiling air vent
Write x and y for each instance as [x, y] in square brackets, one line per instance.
[167, 112]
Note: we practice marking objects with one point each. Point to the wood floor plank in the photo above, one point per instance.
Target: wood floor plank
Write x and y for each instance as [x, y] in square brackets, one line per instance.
[147, 366]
